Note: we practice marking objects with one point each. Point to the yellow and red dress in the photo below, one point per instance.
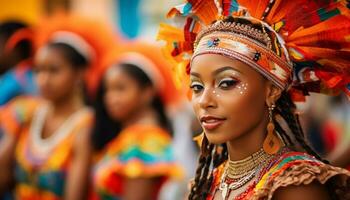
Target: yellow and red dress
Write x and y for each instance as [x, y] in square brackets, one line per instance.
[41, 165]
[285, 169]
[138, 151]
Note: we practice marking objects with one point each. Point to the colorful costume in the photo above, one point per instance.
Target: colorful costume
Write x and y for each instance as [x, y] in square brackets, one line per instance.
[300, 46]
[287, 168]
[140, 151]
[41, 164]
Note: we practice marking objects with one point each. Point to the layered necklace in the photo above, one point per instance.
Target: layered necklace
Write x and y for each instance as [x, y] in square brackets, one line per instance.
[238, 173]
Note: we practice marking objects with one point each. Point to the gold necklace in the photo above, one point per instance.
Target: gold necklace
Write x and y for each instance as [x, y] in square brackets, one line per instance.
[243, 171]
[240, 168]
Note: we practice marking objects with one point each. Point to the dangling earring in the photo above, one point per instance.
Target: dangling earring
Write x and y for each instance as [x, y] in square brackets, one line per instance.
[272, 142]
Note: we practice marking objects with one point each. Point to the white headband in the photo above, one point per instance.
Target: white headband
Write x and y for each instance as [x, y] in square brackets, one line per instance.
[76, 42]
[146, 65]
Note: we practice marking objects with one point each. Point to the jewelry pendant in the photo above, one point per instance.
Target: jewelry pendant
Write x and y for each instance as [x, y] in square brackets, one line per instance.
[224, 191]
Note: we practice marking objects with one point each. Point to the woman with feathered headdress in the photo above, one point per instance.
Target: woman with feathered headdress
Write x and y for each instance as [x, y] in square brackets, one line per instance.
[247, 62]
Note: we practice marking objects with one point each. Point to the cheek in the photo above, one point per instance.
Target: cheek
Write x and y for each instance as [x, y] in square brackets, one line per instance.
[243, 106]
[195, 105]
[65, 80]
[120, 103]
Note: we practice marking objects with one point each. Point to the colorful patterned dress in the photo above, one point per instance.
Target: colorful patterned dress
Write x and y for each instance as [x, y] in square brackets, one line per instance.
[287, 168]
[41, 164]
[138, 151]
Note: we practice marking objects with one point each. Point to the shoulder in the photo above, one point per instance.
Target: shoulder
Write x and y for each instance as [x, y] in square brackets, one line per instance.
[295, 171]
[24, 100]
[83, 126]
[141, 151]
[18, 112]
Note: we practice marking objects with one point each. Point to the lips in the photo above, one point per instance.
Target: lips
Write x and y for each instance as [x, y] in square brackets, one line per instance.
[211, 122]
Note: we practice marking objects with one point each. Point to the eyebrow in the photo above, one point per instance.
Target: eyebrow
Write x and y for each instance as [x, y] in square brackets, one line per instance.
[195, 74]
[216, 72]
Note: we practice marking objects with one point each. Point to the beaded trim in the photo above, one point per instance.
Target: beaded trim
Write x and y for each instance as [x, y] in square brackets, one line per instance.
[235, 27]
[248, 51]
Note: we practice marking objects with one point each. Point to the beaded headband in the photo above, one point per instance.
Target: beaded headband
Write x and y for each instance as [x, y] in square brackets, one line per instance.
[235, 40]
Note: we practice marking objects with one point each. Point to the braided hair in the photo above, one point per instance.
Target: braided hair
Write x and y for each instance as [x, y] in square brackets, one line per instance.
[211, 156]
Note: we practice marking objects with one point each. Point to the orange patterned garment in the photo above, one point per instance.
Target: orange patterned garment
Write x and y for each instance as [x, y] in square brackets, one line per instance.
[41, 164]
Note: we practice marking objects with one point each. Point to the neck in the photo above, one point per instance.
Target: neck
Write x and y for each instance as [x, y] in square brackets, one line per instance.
[142, 116]
[67, 105]
[247, 144]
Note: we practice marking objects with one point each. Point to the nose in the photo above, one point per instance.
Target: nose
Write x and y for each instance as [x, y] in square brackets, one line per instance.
[42, 79]
[207, 99]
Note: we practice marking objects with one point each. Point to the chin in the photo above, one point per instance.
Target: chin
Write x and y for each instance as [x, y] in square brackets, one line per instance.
[215, 137]
[48, 97]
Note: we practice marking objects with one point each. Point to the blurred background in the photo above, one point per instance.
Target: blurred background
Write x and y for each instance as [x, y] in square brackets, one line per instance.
[132, 19]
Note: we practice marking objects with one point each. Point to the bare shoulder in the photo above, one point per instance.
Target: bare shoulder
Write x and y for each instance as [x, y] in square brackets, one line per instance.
[312, 191]
[82, 141]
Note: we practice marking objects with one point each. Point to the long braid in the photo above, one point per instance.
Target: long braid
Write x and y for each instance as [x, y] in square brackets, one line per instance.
[286, 110]
[201, 181]
[286, 138]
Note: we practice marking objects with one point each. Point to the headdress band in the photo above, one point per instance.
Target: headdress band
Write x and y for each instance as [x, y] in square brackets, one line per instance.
[146, 65]
[76, 42]
[236, 44]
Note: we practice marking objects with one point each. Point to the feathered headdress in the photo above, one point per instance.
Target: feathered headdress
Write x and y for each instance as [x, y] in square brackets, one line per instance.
[311, 39]
[90, 37]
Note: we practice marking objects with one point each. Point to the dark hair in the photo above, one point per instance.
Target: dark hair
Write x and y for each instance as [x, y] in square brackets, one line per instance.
[106, 128]
[10, 27]
[212, 156]
[22, 50]
[77, 60]
[24, 47]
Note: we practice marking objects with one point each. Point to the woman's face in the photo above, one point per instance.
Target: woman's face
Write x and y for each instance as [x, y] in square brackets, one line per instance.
[123, 97]
[228, 97]
[55, 76]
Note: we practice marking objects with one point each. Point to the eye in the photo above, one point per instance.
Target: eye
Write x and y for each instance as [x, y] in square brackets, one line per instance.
[227, 83]
[196, 87]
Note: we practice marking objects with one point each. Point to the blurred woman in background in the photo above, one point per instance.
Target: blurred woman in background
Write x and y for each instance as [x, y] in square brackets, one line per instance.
[47, 138]
[132, 134]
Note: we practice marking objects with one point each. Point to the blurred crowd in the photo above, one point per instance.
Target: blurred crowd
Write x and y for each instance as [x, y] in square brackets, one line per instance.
[90, 108]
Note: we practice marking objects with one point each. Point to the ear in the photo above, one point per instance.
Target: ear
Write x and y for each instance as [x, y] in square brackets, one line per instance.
[147, 95]
[80, 74]
[273, 93]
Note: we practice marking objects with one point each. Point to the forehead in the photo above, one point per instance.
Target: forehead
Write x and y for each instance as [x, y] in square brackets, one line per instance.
[47, 53]
[116, 73]
[212, 62]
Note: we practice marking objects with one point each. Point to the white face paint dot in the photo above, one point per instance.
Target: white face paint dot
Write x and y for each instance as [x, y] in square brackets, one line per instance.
[242, 88]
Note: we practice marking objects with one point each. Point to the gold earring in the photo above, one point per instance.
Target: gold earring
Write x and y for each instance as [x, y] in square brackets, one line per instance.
[272, 142]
